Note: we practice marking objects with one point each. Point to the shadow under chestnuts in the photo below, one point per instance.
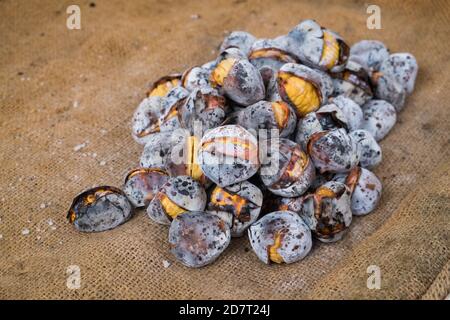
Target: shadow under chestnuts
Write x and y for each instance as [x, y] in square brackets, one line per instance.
[274, 140]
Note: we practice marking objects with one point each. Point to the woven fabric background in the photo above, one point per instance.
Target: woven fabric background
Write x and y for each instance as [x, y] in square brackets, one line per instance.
[60, 88]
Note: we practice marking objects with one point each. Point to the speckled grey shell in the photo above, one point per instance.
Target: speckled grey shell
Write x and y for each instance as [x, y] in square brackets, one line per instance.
[272, 63]
[297, 240]
[321, 80]
[228, 170]
[175, 98]
[105, 213]
[306, 127]
[184, 191]
[195, 78]
[209, 66]
[260, 116]
[306, 42]
[356, 86]
[244, 83]
[238, 39]
[157, 149]
[247, 191]
[198, 238]
[371, 154]
[195, 111]
[270, 78]
[369, 53]
[403, 67]
[146, 115]
[282, 156]
[366, 193]
[334, 211]
[389, 89]
[321, 179]
[335, 151]
[379, 118]
[141, 188]
[234, 53]
[352, 112]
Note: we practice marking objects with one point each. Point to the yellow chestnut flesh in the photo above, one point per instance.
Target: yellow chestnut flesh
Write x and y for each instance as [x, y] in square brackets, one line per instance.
[274, 256]
[220, 197]
[271, 53]
[221, 71]
[193, 169]
[301, 93]
[281, 113]
[161, 89]
[330, 52]
[169, 207]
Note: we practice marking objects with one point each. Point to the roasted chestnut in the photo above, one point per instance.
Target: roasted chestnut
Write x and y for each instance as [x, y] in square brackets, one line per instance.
[176, 196]
[239, 80]
[238, 205]
[333, 151]
[303, 88]
[268, 115]
[146, 119]
[228, 155]
[198, 238]
[285, 169]
[99, 209]
[318, 47]
[142, 184]
[280, 237]
[369, 54]
[365, 188]
[327, 211]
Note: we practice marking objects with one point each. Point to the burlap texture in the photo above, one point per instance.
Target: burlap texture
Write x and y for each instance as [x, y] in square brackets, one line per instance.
[61, 88]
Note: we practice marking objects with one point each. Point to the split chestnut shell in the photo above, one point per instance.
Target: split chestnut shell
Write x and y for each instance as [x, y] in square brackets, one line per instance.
[198, 238]
[228, 155]
[269, 53]
[327, 211]
[280, 237]
[369, 54]
[176, 196]
[163, 85]
[286, 170]
[238, 39]
[99, 209]
[238, 205]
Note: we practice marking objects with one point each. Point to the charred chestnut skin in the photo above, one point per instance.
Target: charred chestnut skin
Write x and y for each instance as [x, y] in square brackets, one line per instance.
[142, 184]
[198, 238]
[327, 211]
[99, 209]
[238, 205]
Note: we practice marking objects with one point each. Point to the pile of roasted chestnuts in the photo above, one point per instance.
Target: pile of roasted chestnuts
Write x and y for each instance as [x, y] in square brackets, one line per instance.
[275, 139]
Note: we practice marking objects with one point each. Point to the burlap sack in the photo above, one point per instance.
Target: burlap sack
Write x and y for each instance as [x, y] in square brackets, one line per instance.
[61, 88]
